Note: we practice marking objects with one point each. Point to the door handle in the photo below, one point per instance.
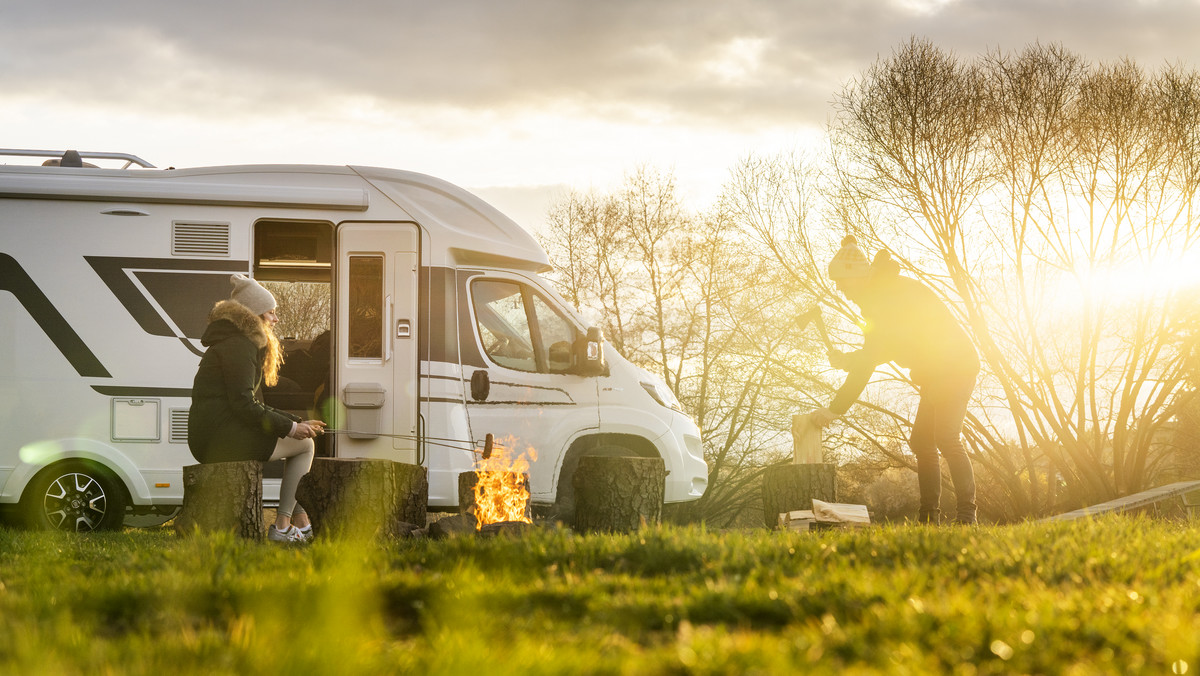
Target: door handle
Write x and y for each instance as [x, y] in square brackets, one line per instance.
[403, 328]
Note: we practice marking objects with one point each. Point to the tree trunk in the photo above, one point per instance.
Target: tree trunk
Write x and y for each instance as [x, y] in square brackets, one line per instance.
[791, 487]
[618, 494]
[222, 496]
[361, 497]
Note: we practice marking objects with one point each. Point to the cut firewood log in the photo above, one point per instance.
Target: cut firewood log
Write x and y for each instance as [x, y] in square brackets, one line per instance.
[806, 440]
[222, 496]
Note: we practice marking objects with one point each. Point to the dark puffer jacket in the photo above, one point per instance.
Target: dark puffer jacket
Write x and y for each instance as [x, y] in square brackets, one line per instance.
[905, 323]
[228, 420]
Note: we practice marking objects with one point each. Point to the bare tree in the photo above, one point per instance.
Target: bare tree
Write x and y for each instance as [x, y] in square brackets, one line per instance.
[1042, 197]
[304, 308]
[1015, 186]
[672, 288]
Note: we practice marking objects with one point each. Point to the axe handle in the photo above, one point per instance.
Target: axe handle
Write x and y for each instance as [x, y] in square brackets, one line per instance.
[820, 322]
[813, 316]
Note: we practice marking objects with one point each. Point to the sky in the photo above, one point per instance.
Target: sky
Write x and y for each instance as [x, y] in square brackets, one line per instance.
[517, 100]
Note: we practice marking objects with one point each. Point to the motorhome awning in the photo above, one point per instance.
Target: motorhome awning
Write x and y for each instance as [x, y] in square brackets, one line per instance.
[125, 189]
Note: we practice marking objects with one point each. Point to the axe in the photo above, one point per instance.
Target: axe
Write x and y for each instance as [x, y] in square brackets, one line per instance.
[813, 316]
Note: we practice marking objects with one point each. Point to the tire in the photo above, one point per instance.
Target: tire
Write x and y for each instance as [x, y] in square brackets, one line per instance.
[75, 496]
[564, 498]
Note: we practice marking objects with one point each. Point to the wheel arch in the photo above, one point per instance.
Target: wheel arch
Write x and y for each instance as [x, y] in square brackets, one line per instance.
[639, 445]
[39, 457]
[563, 506]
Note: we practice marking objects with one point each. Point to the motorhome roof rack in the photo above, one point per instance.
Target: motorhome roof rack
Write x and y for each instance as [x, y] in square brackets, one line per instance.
[62, 154]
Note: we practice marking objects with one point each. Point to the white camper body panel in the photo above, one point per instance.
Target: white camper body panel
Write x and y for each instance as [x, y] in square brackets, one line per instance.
[106, 277]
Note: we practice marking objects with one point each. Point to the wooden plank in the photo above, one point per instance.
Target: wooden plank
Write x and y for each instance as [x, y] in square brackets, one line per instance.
[1129, 502]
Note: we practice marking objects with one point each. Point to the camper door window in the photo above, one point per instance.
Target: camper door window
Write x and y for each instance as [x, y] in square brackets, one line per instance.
[366, 307]
[519, 329]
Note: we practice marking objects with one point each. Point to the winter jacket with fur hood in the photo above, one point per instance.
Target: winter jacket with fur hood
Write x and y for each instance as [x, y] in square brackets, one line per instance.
[228, 420]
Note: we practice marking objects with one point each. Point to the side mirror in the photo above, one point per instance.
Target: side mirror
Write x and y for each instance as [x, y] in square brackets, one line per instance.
[481, 385]
[589, 354]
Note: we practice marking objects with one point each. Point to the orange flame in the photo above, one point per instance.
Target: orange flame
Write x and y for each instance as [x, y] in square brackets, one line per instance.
[502, 485]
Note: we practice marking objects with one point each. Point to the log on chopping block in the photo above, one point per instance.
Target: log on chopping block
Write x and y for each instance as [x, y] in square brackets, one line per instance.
[222, 496]
[806, 440]
[618, 494]
[362, 497]
[792, 487]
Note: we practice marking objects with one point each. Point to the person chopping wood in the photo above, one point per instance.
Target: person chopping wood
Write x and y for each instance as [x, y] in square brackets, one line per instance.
[905, 323]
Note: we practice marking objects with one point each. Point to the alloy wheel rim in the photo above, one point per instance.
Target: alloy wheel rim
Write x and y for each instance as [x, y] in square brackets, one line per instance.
[75, 502]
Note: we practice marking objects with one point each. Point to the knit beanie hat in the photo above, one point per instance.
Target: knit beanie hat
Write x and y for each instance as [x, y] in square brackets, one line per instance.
[251, 294]
[849, 261]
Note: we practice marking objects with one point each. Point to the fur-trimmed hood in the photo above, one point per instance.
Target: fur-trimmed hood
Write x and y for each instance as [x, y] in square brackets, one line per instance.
[229, 318]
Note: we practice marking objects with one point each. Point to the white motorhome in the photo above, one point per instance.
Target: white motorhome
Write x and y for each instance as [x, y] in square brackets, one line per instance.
[438, 331]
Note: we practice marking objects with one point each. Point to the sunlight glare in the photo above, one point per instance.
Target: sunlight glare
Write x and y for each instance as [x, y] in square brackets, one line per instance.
[1132, 281]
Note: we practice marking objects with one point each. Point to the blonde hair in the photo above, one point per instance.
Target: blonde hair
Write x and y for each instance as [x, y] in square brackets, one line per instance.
[274, 357]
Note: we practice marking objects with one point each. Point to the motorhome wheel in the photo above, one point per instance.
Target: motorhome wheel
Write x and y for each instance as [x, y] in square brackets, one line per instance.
[74, 495]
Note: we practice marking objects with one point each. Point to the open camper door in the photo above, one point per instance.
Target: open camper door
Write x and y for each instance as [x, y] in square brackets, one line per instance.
[377, 367]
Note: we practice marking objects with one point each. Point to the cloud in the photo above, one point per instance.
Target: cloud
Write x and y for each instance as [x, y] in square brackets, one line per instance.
[618, 56]
[680, 62]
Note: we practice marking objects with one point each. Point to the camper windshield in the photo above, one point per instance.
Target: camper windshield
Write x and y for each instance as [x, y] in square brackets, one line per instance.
[519, 329]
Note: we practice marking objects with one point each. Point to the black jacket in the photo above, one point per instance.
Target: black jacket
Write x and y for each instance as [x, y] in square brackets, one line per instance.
[228, 420]
[905, 323]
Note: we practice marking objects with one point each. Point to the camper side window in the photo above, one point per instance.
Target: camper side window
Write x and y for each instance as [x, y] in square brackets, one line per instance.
[557, 336]
[519, 329]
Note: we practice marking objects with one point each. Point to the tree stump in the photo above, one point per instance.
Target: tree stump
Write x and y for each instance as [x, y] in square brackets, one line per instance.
[618, 494]
[360, 497]
[791, 487]
[466, 492]
[412, 493]
[222, 496]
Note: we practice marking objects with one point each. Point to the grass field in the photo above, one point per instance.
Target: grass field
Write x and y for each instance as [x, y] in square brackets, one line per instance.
[1114, 595]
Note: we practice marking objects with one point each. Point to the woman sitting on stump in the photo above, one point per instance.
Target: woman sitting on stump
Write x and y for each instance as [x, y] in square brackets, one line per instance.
[228, 420]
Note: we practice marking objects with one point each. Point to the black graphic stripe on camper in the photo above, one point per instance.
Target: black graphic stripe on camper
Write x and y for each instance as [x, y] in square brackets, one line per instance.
[185, 288]
[15, 280]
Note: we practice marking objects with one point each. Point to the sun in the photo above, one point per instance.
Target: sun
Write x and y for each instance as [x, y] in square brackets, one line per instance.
[1135, 281]
[1129, 285]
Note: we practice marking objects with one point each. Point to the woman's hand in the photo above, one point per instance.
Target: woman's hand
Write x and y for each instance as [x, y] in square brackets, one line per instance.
[308, 429]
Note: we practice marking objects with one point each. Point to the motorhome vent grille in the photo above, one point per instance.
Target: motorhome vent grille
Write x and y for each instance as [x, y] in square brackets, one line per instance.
[200, 239]
[179, 426]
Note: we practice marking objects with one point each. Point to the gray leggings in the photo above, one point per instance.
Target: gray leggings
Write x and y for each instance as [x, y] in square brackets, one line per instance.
[297, 456]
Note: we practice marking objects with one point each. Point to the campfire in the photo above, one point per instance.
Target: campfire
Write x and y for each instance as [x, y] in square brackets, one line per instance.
[502, 484]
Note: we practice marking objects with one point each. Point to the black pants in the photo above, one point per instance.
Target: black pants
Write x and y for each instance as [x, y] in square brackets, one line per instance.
[938, 428]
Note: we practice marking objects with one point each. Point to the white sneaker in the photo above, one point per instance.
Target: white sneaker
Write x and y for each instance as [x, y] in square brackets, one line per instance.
[305, 533]
[289, 534]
